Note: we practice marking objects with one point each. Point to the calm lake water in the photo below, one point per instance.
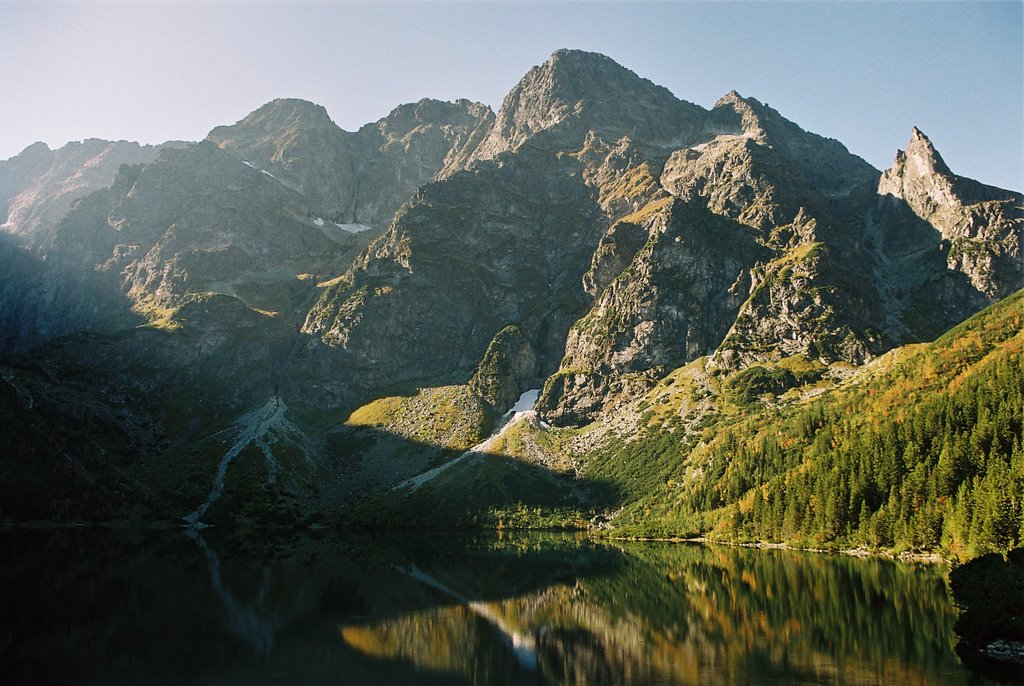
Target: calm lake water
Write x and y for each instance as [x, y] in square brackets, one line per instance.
[96, 607]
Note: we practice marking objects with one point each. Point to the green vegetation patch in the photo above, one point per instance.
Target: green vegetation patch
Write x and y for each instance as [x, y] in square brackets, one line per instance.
[484, 491]
[751, 383]
[921, 451]
[450, 417]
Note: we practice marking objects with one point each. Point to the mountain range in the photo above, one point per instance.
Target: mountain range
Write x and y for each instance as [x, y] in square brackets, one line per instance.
[552, 315]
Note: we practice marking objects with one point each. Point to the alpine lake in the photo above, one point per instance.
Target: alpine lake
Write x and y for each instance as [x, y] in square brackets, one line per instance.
[98, 606]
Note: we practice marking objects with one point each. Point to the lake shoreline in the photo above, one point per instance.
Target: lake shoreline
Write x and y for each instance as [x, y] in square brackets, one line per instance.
[916, 558]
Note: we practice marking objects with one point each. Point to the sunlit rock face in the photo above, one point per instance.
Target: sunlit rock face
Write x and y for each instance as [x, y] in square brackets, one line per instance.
[38, 186]
[576, 92]
[361, 177]
[825, 259]
[980, 226]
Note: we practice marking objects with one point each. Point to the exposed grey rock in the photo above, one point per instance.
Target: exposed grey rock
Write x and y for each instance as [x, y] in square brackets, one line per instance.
[38, 186]
[578, 143]
[465, 258]
[980, 226]
[674, 302]
[506, 370]
[1007, 651]
[583, 91]
[354, 178]
[598, 232]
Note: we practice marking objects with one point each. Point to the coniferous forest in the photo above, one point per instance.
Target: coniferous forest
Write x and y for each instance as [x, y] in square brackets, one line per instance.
[923, 455]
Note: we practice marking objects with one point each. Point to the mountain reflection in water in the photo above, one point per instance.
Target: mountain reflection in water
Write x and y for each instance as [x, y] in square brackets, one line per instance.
[90, 607]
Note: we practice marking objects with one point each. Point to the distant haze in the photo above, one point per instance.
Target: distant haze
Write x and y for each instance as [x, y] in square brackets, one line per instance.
[863, 73]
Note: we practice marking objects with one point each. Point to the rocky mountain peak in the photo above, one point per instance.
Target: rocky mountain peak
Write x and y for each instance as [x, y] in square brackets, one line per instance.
[39, 185]
[287, 113]
[979, 223]
[353, 178]
[276, 127]
[919, 174]
[922, 155]
[37, 149]
[760, 122]
[430, 112]
[593, 91]
[17, 172]
[608, 238]
[568, 60]
[733, 113]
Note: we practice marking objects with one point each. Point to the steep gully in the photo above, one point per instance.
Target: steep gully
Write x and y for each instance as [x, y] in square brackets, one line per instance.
[261, 427]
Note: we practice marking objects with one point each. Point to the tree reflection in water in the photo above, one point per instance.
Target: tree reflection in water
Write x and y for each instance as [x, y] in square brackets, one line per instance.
[94, 607]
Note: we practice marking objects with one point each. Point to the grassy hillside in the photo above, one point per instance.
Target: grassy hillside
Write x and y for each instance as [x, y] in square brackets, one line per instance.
[920, 450]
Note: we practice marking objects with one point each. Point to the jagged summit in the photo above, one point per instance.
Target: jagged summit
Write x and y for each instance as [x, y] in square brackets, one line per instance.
[36, 148]
[270, 130]
[919, 175]
[39, 185]
[428, 109]
[287, 111]
[576, 76]
[922, 153]
[274, 129]
[731, 100]
[568, 60]
[981, 223]
[563, 54]
[427, 112]
[766, 125]
[585, 91]
[358, 177]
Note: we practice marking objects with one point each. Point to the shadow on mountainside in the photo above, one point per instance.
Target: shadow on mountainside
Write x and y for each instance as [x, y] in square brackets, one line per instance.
[86, 447]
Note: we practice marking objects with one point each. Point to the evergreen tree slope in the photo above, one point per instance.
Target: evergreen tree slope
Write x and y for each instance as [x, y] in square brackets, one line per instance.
[920, 450]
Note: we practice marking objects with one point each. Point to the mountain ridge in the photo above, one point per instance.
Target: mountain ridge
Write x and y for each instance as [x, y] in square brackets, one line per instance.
[593, 239]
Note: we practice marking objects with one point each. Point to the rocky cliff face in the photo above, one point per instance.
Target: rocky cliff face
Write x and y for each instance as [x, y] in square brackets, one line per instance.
[835, 263]
[354, 179]
[38, 186]
[506, 240]
[482, 250]
[673, 302]
[765, 196]
[979, 226]
[591, 237]
[193, 221]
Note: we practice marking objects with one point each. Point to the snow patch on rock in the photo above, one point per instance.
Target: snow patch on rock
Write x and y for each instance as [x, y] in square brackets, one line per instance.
[352, 228]
[526, 401]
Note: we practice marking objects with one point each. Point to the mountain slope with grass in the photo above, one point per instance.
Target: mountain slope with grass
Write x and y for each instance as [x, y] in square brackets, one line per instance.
[919, 450]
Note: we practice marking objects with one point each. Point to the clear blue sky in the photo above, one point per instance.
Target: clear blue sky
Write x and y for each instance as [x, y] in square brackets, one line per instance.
[861, 72]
